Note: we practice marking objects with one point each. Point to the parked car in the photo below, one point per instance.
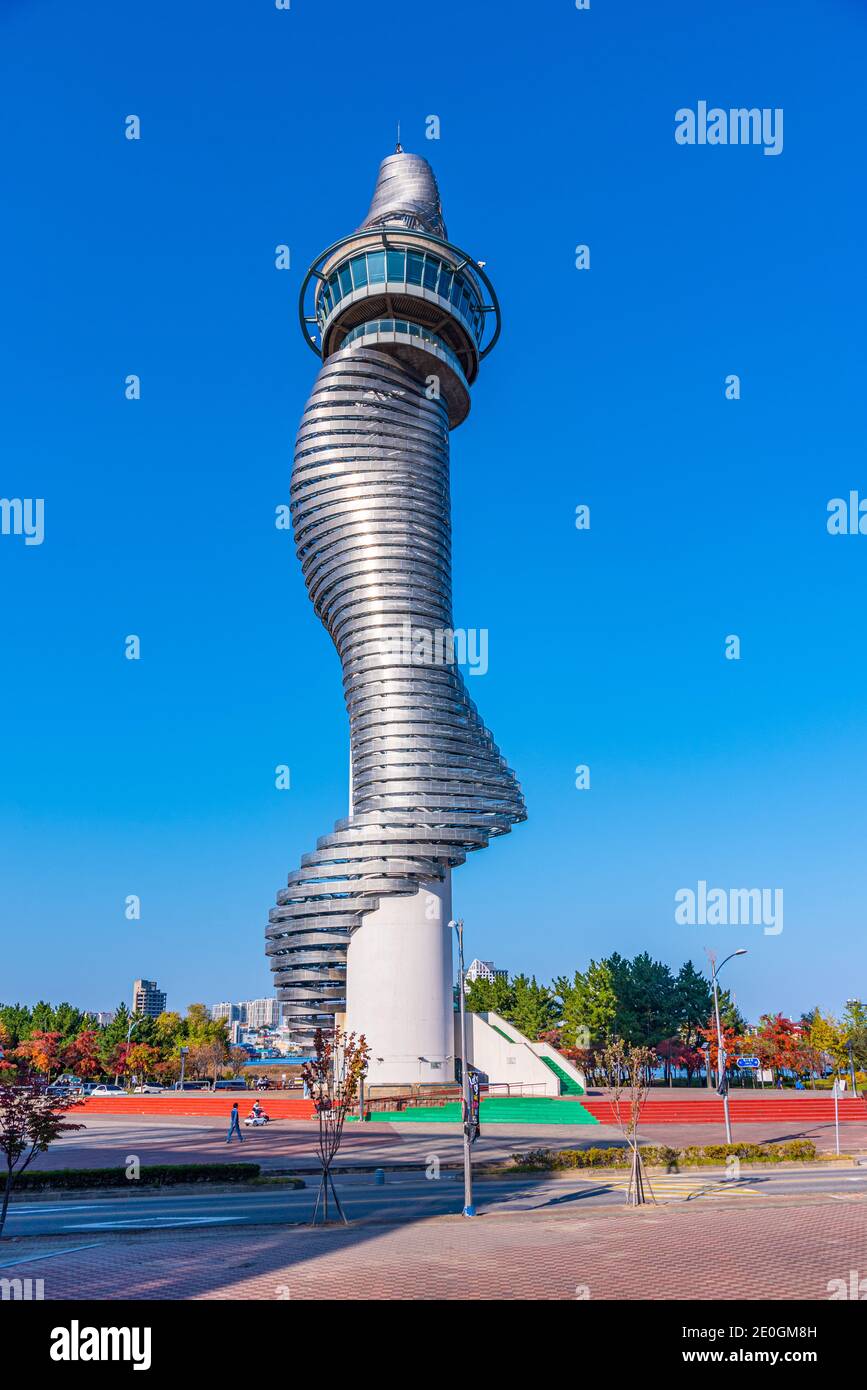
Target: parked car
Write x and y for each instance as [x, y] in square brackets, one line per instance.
[146, 1089]
[103, 1090]
[236, 1084]
[192, 1086]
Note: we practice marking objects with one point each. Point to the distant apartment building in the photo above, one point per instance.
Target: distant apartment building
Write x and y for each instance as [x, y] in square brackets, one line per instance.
[484, 970]
[261, 1013]
[251, 1014]
[104, 1017]
[228, 1011]
[147, 999]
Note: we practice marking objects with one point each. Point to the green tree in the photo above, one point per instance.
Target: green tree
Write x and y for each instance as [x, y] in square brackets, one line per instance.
[647, 1008]
[168, 1030]
[201, 1028]
[486, 996]
[625, 1024]
[588, 1006]
[693, 1002]
[113, 1035]
[68, 1021]
[855, 1030]
[827, 1039]
[198, 1021]
[535, 1008]
[17, 1021]
[42, 1018]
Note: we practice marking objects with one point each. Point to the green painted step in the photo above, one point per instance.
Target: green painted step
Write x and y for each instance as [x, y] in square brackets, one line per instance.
[568, 1087]
[546, 1110]
[521, 1110]
[501, 1033]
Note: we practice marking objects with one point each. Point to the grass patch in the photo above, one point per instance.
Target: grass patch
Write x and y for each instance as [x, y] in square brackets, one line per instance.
[660, 1155]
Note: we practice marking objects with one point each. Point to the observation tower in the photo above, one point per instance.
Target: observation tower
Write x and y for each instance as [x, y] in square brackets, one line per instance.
[401, 319]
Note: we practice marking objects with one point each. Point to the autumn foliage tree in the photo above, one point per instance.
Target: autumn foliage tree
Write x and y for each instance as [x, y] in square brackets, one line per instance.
[30, 1121]
[333, 1078]
[142, 1060]
[629, 1070]
[41, 1052]
[732, 1043]
[779, 1043]
[81, 1056]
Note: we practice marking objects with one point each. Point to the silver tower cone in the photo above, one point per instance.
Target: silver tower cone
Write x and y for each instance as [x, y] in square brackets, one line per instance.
[402, 317]
[406, 195]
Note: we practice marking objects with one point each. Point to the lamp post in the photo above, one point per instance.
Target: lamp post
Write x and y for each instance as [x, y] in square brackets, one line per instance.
[133, 1023]
[852, 1067]
[720, 1050]
[469, 1209]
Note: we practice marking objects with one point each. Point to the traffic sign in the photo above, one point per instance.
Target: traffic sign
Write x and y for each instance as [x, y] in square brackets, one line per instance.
[748, 1062]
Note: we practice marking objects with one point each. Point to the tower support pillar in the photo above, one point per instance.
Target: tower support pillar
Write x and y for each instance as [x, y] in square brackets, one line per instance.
[399, 988]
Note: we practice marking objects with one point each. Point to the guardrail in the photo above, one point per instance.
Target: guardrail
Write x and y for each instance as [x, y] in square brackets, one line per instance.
[517, 1088]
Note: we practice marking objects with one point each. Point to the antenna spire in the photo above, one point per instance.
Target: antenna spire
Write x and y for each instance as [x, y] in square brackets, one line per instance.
[398, 149]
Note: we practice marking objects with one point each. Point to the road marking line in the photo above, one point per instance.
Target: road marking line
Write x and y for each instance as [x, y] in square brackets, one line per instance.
[31, 1259]
[155, 1223]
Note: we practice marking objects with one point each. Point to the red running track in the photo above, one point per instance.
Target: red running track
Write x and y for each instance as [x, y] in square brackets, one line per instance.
[743, 1109]
[278, 1107]
[694, 1109]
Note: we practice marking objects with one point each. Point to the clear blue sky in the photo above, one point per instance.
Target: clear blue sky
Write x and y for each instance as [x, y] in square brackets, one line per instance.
[708, 517]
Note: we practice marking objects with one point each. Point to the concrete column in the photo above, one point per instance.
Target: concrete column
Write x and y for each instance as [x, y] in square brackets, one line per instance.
[399, 988]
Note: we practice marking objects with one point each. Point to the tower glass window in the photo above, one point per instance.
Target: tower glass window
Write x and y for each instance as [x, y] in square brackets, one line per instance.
[376, 267]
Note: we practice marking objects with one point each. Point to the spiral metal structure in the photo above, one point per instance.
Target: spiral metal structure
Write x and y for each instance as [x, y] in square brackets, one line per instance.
[402, 316]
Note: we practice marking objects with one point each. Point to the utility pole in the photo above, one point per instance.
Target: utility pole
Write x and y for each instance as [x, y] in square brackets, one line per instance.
[469, 1209]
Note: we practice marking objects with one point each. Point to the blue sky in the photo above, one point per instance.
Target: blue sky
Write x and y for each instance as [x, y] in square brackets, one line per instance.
[156, 257]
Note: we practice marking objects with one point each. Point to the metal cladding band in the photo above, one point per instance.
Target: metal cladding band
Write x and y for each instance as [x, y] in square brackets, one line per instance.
[371, 516]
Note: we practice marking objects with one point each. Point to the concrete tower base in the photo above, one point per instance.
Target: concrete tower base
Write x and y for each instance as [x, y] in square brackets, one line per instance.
[399, 988]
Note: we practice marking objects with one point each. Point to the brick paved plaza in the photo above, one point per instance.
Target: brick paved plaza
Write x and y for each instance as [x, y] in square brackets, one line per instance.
[767, 1250]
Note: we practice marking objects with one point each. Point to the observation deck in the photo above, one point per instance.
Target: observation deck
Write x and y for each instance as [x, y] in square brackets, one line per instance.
[400, 285]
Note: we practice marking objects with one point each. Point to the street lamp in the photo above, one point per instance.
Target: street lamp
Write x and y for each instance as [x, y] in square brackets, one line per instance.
[469, 1209]
[133, 1023]
[720, 1050]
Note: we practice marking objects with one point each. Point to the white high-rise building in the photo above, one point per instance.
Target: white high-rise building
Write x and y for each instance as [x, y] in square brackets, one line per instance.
[484, 970]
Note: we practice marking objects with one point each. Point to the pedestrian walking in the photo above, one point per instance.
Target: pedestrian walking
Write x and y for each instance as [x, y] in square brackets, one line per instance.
[234, 1125]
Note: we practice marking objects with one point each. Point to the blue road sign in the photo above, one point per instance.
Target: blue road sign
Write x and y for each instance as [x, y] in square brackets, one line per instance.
[748, 1062]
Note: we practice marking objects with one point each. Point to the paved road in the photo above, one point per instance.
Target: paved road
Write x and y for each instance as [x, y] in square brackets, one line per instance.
[106, 1141]
[405, 1197]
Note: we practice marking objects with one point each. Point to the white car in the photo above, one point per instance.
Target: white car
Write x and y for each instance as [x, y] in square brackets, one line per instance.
[148, 1090]
[108, 1091]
